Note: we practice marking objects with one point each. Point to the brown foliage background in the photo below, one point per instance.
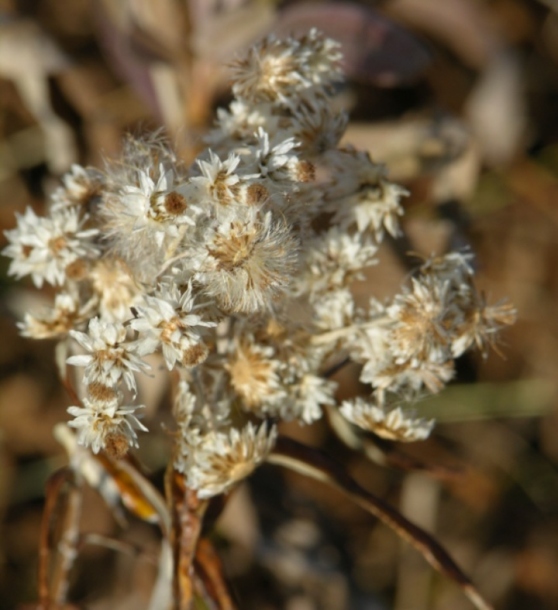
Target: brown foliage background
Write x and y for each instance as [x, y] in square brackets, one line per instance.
[460, 100]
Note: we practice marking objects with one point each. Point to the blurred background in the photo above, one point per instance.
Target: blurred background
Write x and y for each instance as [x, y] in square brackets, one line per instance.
[459, 98]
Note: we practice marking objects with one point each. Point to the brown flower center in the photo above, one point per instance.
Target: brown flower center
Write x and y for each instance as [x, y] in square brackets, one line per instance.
[175, 203]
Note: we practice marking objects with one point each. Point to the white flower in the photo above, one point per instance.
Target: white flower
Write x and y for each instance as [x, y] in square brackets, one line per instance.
[278, 70]
[218, 178]
[254, 374]
[336, 258]
[158, 205]
[273, 158]
[481, 325]
[168, 320]
[45, 247]
[239, 269]
[82, 187]
[65, 315]
[147, 216]
[105, 424]
[393, 424]
[378, 208]
[424, 318]
[335, 309]
[110, 356]
[350, 171]
[410, 376]
[115, 288]
[238, 124]
[360, 194]
[247, 262]
[453, 267]
[316, 126]
[219, 460]
[306, 395]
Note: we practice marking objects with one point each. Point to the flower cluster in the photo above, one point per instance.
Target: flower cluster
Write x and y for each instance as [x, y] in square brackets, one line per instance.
[238, 271]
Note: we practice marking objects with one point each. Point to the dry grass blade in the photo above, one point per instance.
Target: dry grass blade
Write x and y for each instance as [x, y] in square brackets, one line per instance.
[317, 465]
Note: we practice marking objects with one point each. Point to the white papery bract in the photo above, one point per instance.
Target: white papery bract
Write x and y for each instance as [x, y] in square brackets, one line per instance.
[336, 258]
[307, 396]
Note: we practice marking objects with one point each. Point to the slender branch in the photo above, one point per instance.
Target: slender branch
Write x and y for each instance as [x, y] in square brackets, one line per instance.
[118, 546]
[210, 570]
[187, 512]
[333, 335]
[336, 368]
[67, 546]
[169, 258]
[317, 465]
[53, 492]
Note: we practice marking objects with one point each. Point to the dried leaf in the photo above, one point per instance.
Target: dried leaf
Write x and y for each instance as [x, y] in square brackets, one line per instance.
[138, 495]
[115, 41]
[464, 27]
[27, 57]
[116, 480]
[26, 49]
[225, 33]
[496, 109]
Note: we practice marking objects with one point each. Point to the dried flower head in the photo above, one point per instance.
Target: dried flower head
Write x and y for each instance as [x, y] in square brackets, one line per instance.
[393, 424]
[240, 270]
[45, 247]
[217, 461]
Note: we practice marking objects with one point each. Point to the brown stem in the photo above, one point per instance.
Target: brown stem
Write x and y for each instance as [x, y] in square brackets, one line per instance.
[53, 491]
[67, 545]
[311, 462]
[187, 511]
[210, 570]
